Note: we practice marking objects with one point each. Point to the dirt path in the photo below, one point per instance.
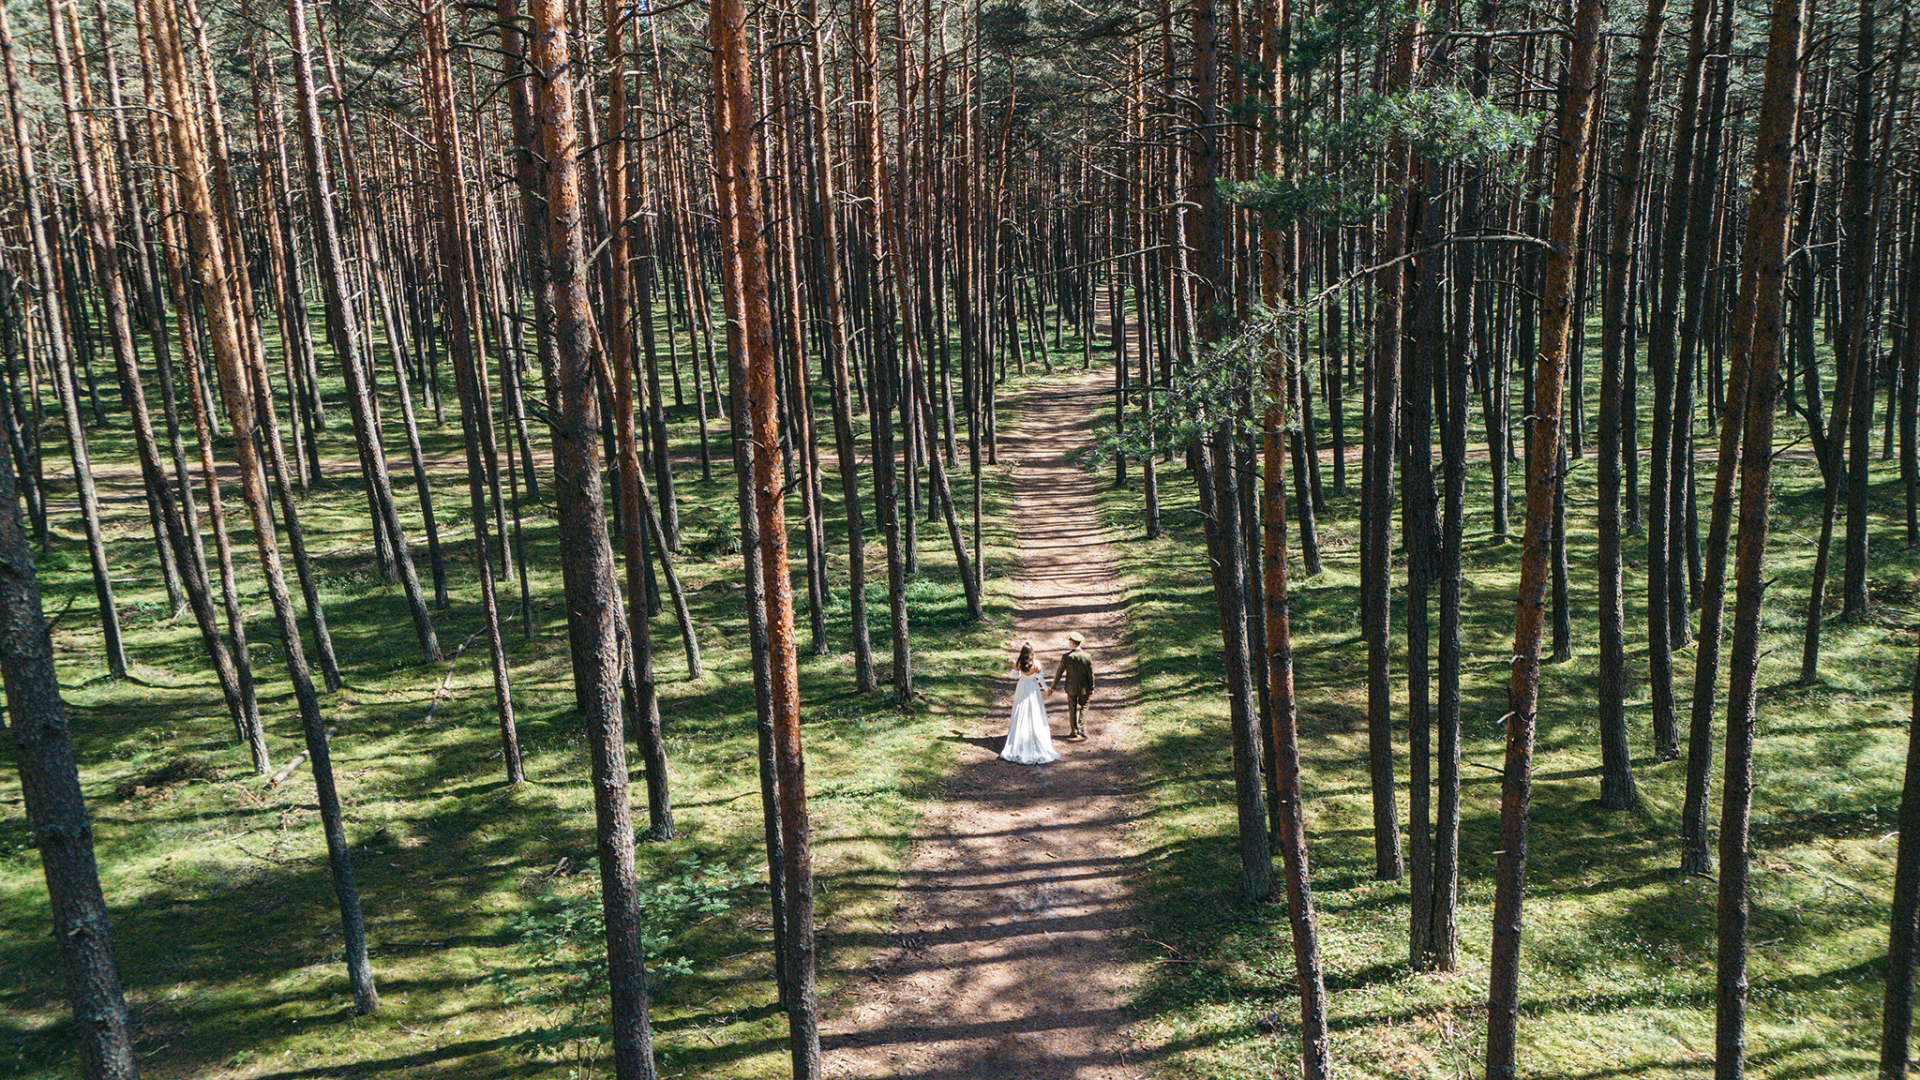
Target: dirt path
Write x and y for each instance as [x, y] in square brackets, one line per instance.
[1011, 953]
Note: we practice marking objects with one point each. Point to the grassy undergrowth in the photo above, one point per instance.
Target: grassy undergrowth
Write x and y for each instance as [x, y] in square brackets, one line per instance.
[480, 898]
[1618, 954]
[475, 893]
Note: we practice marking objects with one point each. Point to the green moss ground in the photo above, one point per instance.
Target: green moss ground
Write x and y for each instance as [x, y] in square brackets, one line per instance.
[225, 922]
[223, 912]
[1618, 956]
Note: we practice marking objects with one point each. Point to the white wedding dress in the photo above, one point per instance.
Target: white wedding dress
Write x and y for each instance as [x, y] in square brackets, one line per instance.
[1029, 741]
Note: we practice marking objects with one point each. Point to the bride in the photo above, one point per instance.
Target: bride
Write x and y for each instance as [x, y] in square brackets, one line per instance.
[1029, 741]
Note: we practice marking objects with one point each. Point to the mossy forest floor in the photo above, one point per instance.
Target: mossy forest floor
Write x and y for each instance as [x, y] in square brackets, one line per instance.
[480, 898]
[1617, 976]
[481, 910]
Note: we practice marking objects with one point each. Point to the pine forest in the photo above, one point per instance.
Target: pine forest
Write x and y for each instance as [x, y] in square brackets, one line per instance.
[938, 539]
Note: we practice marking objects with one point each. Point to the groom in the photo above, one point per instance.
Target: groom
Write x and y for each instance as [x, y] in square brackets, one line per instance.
[1075, 676]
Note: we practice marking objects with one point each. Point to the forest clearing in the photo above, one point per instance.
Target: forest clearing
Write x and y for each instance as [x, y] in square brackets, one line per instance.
[1006, 539]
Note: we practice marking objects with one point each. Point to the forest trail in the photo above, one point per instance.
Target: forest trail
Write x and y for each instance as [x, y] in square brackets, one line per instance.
[1011, 954]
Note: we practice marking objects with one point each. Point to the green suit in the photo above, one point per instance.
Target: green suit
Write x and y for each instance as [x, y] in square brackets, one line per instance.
[1075, 679]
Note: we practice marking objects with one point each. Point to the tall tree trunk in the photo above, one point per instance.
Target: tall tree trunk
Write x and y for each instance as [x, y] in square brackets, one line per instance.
[1696, 850]
[1219, 480]
[750, 339]
[1903, 943]
[50, 775]
[1853, 397]
[1419, 352]
[50, 788]
[1381, 445]
[1910, 378]
[1759, 331]
[458, 284]
[1543, 482]
[355, 361]
[870, 168]
[172, 242]
[1284, 765]
[1616, 777]
[1283, 720]
[179, 548]
[1662, 348]
[1442, 916]
[755, 595]
[618, 357]
[591, 584]
[213, 260]
[52, 299]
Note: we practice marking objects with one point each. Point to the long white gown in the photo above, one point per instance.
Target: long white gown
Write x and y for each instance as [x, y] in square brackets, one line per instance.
[1029, 741]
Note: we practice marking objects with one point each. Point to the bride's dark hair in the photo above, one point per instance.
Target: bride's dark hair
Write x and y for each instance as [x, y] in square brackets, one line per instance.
[1025, 663]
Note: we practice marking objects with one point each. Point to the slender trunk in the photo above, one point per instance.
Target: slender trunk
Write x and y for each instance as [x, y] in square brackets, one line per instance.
[1442, 917]
[1662, 348]
[1616, 777]
[1756, 344]
[213, 260]
[1283, 721]
[1220, 483]
[824, 206]
[49, 773]
[52, 298]
[1421, 343]
[883, 396]
[1383, 436]
[178, 549]
[590, 582]
[618, 358]
[1903, 942]
[355, 360]
[750, 341]
[457, 270]
[1543, 482]
[1853, 398]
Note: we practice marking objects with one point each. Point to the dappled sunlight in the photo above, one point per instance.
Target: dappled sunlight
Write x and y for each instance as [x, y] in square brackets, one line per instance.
[1617, 961]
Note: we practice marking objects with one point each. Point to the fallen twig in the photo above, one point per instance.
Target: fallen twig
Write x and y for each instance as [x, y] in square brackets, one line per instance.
[287, 769]
[1828, 878]
[446, 684]
[274, 859]
[1181, 957]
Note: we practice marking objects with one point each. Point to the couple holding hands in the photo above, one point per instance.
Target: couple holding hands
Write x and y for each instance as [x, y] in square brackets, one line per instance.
[1029, 737]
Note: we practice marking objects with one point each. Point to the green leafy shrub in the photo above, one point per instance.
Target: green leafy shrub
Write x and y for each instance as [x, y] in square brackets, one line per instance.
[711, 533]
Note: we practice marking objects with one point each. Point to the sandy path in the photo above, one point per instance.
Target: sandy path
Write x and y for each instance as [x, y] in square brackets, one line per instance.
[1011, 953]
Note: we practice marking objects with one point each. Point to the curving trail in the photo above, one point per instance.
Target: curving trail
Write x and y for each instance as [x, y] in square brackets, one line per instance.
[1012, 949]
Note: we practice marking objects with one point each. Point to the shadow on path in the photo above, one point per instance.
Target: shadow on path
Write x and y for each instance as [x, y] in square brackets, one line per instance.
[1011, 950]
